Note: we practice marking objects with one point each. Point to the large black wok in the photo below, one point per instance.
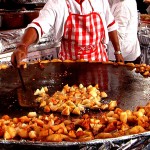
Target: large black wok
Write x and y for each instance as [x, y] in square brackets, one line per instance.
[119, 82]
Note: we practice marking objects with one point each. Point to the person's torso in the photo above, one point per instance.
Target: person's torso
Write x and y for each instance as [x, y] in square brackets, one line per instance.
[83, 36]
[131, 8]
[129, 43]
[76, 8]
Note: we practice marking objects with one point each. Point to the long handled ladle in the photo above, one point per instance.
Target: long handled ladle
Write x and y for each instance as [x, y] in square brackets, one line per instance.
[25, 94]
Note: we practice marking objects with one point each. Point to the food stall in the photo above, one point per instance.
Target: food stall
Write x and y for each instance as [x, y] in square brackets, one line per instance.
[125, 86]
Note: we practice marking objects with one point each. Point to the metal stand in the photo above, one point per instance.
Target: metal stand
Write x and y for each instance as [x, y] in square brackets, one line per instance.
[145, 54]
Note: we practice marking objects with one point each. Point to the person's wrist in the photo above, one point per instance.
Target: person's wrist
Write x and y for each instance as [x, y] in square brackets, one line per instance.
[22, 45]
[117, 53]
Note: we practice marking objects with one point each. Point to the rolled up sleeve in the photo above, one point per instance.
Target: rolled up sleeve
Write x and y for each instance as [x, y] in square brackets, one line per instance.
[110, 21]
[45, 21]
[122, 17]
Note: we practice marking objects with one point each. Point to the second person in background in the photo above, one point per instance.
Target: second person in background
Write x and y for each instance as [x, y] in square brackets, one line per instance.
[126, 16]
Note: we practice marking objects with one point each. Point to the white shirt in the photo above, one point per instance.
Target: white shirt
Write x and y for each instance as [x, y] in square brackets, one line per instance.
[125, 14]
[55, 12]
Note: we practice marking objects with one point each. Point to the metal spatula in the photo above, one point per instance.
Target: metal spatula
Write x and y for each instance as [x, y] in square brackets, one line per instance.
[25, 95]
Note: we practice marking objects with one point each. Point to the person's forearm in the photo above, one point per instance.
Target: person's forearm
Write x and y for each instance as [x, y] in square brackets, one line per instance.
[113, 35]
[146, 1]
[30, 36]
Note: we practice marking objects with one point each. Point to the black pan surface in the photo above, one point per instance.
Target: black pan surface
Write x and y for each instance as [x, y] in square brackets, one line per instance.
[119, 82]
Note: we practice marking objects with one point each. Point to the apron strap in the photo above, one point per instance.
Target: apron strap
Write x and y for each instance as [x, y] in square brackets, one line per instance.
[68, 5]
[91, 5]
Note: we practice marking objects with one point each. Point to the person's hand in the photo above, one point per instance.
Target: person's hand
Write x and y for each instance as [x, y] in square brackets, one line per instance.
[119, 58]
[146, 1]
[18, 55]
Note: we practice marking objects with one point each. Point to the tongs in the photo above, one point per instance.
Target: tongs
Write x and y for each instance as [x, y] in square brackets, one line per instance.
[25, 94]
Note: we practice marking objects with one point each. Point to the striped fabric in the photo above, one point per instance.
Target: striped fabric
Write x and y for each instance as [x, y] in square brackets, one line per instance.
[83, 37]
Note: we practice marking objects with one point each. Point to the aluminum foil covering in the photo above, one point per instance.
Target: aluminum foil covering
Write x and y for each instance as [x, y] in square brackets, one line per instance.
[10, 38]
[46, 48]
[124, 143]
[144, 37]
[44, 54]
[35, 1]
[30, 1]
[145, 54]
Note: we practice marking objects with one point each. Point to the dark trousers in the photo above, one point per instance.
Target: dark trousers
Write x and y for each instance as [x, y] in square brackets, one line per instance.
[137, 61]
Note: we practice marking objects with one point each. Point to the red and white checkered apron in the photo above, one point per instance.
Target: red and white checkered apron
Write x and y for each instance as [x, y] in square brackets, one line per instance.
[83, 37]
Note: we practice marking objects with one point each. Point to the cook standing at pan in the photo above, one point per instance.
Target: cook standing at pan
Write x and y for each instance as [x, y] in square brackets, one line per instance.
[83, 27]
[126, 17]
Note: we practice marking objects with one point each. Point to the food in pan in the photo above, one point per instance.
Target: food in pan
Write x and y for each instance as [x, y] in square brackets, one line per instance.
[145, 17]
[107, 62]
[81, 60]
[67, 60]
[73, 99]
[56, 60]
[53, 128]
[44, 61]
[3, 66]
[143, 69]
[130, 64]
[121, 63]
